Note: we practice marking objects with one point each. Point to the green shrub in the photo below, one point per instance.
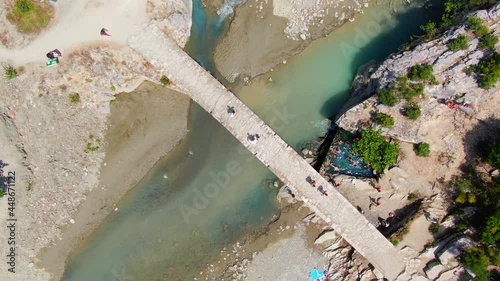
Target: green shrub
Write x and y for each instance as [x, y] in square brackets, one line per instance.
[476, 24]
[434, 228]
[74, 98]
[413, 91]
[113, 88]
[394, 242]
[422, 149]
[164, 80]
[412, 196]
[493, 155]
[388, 98]
[430, 30]
[2, 193]
[488, 71]
[459, 43]
[375, 151]
[384, 120]
[488, 42]
[477, 261]
[422, 73]
[30, 16]
[412, 111]
[10, 72]
[491, 232]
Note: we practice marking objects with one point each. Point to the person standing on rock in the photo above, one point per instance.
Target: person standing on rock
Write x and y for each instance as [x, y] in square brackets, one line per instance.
[104, 32]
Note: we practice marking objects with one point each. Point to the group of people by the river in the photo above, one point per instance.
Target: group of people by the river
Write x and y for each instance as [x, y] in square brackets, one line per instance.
[341, 151]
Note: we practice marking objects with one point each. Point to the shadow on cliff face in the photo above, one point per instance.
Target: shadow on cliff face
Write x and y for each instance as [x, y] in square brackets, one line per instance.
[477, 142]
[366, 46]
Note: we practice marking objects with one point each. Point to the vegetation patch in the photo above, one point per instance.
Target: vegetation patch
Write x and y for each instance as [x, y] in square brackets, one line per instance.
[412, 196]
[430, 29]
[384, 120]
[412, 111]
[388, 98]
[459, 43]
[488, 42]
[30, 16]
[164, 80]
[92, 144]
[493, 155]
[477, 261]
[434, 228]
[422, 149]
[488, 71]
[477, 26]
[375, 150]
[74, 97]
[423, 73]
[10, 72]
[401, 89]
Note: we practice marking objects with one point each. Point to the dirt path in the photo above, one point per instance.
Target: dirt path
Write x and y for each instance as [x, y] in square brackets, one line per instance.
[78, 22]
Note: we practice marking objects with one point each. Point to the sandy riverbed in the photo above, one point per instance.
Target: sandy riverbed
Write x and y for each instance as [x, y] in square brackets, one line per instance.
[256, 40]
[144, 126]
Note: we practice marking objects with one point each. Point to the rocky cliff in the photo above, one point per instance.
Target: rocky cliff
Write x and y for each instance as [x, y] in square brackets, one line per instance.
[450, 71]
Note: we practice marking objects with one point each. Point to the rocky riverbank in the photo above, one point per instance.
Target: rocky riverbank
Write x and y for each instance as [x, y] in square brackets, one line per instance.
[264, 33]
[451, 132]
[54, 123]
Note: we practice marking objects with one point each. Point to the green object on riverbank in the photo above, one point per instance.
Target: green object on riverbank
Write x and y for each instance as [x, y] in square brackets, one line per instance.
[52, 62]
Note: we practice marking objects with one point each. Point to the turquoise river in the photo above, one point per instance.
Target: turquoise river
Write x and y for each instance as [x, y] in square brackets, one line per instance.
[165, 230]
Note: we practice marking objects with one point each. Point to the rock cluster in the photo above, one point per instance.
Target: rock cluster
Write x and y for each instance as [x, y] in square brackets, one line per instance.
[174, 16]
[303, 14]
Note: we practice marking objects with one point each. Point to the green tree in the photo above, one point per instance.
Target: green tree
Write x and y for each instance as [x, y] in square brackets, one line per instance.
[412, 111]
[459, 43]
[491, 232]
[422, 149]
[488, 71]
[384, 120]
[476, 260]
[375, 151]
[488, 42]
[430, 30]
[493, 155]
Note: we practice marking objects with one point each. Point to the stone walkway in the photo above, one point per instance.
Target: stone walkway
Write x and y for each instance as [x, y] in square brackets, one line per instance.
[270, 149]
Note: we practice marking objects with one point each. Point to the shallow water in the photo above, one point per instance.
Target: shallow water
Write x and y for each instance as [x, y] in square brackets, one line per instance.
[210, 191]
[314, 85]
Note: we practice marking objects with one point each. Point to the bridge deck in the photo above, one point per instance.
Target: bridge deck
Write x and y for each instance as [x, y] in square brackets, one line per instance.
[270, 149]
